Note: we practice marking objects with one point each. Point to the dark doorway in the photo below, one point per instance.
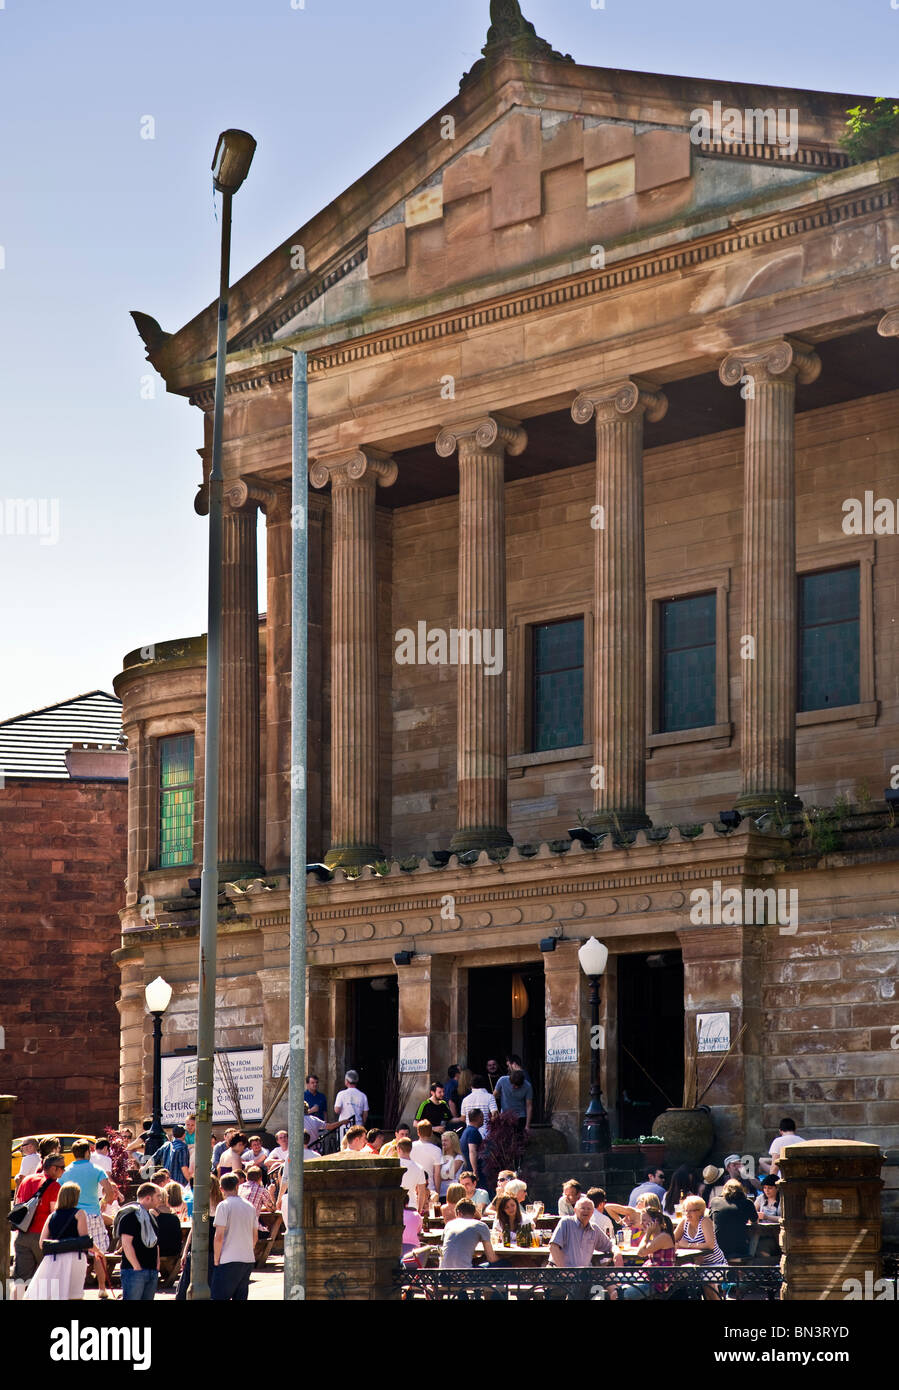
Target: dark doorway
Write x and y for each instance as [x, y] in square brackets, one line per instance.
[650, 1038]
[493, 1032]
[373, 1011]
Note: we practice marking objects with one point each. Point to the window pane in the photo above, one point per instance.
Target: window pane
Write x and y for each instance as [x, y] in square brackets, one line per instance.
[829, 639]
[176, 800]
[687, 663]
[559, 685]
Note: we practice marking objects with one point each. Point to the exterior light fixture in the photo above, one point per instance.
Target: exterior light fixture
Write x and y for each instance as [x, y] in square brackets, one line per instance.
[403, 957]
[158, 995]
[730, 819]
[594, 956]
[232, 159]
[585, 836]
[520, 1001]
[547, 944]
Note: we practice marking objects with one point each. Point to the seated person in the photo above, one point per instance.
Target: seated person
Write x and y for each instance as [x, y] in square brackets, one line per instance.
[598, 1198]
[787, 1135]
[657, 1248]
[683, 1184]
[455, 1193]
[510, 1225]
[767, 1204]
[507, 1175]
[571, 1191]
[462, 1237]
[733, 1166]
[255, 1191]
[478, 1196]
[733, 1214]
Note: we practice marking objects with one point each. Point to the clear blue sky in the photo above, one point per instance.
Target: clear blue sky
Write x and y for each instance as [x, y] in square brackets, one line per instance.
[96, 221]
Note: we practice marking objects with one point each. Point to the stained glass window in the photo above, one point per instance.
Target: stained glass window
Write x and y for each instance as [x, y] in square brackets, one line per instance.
[829, 639]
[176, 800]
[687, 658]
[558, 664]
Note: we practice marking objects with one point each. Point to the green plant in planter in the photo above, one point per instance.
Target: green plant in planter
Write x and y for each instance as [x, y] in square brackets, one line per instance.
[872, 131]
[651, 1139]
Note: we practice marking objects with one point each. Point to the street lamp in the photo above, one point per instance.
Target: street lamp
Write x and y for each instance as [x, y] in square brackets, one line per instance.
[233, 155]
[593, 956]
[158, 995]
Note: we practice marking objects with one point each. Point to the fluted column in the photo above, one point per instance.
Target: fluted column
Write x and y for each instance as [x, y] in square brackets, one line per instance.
[354, 478]
[768, 373]
[482, 741]
[239, 771]
[619, 641]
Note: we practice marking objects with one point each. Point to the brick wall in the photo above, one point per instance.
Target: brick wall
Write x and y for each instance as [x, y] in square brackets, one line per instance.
[62, 865]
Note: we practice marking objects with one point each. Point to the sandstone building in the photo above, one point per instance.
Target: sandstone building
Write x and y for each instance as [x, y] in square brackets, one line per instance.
[63, 833]
[592, 377]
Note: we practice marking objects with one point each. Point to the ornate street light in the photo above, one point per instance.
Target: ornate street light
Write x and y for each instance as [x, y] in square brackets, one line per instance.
[593, 956]
[158, 995]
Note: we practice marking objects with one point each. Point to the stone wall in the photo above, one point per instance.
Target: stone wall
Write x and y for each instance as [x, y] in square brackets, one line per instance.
[62, 855]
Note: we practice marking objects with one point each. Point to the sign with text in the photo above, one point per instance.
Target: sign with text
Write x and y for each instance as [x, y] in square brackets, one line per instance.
[414, 1054]
[280, 1060]
[179, 1086]
[713, 1032]
[561, 1043]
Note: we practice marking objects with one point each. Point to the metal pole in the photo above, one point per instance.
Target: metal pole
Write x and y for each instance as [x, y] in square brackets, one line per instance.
[596, 1138]
[295, 1236]
[156, 1137]
[209, 883]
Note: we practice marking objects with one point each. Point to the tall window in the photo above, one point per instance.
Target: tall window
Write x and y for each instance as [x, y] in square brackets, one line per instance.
[176, 800]
[687, 663]
[829, 639]
[558, 692]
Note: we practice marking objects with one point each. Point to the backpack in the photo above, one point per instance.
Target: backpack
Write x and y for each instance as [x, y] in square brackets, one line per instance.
[22, 1214]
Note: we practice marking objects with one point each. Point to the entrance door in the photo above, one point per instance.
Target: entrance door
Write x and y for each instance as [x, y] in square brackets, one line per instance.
[493, 1032]
[650, 1038]
[374, 1030]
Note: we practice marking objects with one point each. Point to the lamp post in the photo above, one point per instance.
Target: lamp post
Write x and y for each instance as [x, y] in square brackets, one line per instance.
[158, 995]
[233, 156]
[593, 957]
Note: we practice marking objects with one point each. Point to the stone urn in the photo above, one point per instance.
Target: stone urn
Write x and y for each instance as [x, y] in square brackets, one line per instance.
[688, 1135]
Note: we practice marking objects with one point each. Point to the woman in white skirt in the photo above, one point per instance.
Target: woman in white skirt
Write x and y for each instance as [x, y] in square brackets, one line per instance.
[61, 1276]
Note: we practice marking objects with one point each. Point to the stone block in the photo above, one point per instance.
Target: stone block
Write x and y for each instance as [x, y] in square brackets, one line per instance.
[516, 193]
[424, 207]
[607, 144]
[517, 139]
[662, 156]
[610, 182]
[471, 173]
[386, 249]
[563, 144]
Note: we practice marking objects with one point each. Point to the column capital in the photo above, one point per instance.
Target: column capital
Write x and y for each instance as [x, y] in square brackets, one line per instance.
[773, 358]
[615, 398]
[486, 432]
[889, 324]
[354, 466]
[244, 494]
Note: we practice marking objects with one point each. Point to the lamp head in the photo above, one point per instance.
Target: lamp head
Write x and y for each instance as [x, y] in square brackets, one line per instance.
[232, 159]
[158, 995]
[593, 957]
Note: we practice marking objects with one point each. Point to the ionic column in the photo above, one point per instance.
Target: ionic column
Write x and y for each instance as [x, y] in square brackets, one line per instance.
[482, 744]
[354, 478]
[768, 373]
[239, 768]
[619, 641]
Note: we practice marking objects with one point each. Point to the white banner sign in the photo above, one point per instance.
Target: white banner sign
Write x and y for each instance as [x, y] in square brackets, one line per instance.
[561, 1043]
[179, 1086]
[414, 1054]
[713, 1032]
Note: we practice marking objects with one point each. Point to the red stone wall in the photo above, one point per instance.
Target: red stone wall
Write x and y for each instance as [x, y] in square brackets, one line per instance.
[62, 864]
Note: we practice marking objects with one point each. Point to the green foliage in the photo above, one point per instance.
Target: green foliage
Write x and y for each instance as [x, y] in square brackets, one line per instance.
[823, 825]
[872, 131]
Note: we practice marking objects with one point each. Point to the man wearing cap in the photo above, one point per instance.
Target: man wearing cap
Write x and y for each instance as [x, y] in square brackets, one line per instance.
[714, 1187]
[28, 1243]
[733, 1166]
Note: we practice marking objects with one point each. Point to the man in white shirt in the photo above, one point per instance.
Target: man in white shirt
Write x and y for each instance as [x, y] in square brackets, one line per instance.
[31, 1160]
[604, 1223]
[415, 1179]
[351, 1104]
[278, 1156]
[235, 1225]
[786, 1136]
[426, 1154]
[479, 1098]
[100, 1156]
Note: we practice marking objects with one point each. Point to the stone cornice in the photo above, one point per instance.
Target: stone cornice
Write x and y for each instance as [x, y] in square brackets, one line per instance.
[768, 229]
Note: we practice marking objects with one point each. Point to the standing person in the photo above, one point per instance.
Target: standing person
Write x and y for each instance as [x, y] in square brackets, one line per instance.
[493, 1075]
[30, 1162]
[451, 1091]
[91, 1182]
[190, 1130]
[169, 1205]
[426, 1153]
[215, 1197]
[435, 1109]
[414, 1179]
[140, 1247]
[174, 1156]
[452, 1163]
[61, 1276]
[479, 1098]
[516, 1094]
[28, 1243]
[351, 1104]
[787, 1135]
[235, 1244]
[315, 1099]
[471, 1142]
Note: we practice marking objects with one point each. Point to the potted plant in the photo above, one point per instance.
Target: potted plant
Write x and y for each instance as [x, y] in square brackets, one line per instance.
[653, 1149]
[688, 1130]
[626, 1148]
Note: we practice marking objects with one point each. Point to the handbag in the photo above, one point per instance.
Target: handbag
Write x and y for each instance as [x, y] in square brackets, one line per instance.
[67, 1245]
[21, 1215]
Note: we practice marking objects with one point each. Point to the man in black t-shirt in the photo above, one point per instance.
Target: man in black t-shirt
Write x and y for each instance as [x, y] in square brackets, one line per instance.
[435, 1109]
[140, 1247]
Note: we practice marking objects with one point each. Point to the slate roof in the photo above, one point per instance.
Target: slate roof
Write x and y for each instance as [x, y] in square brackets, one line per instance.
[35, 744]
